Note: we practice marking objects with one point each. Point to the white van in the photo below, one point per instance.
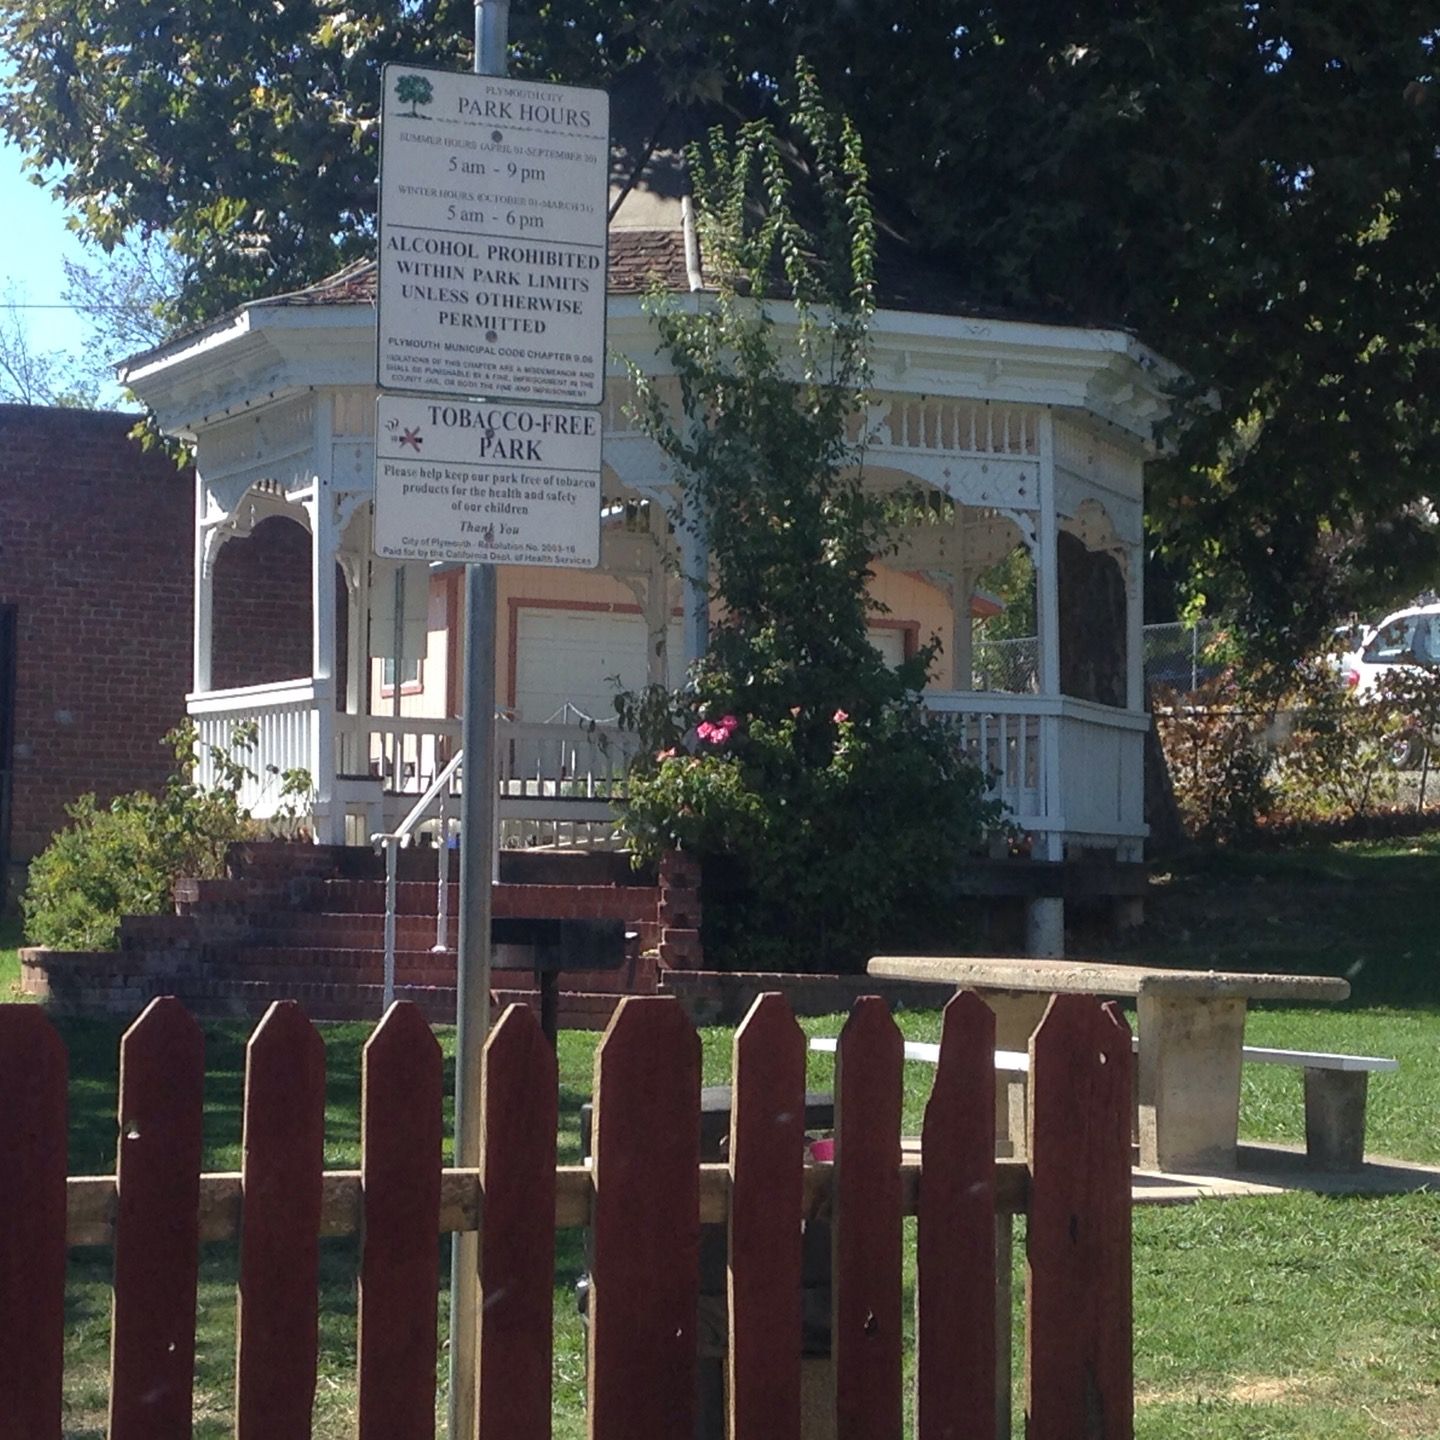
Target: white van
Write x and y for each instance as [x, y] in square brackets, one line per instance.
[1408, 637]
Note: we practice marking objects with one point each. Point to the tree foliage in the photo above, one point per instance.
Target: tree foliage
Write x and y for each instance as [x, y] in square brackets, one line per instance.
[1251, 186]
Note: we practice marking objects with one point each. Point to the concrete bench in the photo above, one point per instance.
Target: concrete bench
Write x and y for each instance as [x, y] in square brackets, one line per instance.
[1192, 1023]
[1336, 1088]
[1012, 1069]
[1335, 1094]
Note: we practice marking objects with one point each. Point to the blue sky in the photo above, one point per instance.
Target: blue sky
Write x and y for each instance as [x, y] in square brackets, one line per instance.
[32, 257]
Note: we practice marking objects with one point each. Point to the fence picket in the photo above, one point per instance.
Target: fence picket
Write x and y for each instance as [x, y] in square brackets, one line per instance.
[867, 1283]
[767, 1161]
[646, 1224]
[277, 1316]
[956, 1340]
[519, 1093]
[157, 1225]
[401, 1094]
[1079, 1368]
[33, 1076]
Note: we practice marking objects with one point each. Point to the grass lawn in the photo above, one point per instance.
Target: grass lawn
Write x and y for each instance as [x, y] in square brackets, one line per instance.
[1290, 1316]
[11, 938]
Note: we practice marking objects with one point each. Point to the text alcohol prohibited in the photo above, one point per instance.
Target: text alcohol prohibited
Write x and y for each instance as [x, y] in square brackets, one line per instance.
[493, 197]
[487, 483]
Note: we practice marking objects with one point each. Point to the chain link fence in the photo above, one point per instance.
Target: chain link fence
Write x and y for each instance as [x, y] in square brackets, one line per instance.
[1175, 656]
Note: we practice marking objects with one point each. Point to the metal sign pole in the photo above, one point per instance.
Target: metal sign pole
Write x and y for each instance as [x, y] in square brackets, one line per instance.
[477, 829]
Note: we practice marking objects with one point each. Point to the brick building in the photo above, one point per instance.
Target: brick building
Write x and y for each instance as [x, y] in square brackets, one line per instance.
[96, 591]
[96, 536]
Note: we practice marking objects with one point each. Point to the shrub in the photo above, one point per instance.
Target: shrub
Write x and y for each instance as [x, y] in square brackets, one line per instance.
[124, 858]
[1214, 743]
[830, 836]
[1335, 761]
[1292, 747]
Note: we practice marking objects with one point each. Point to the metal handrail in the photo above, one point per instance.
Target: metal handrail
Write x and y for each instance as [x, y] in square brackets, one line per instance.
[393, 842]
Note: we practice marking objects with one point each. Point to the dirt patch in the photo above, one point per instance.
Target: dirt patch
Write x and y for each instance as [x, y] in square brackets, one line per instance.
[1246, 1390]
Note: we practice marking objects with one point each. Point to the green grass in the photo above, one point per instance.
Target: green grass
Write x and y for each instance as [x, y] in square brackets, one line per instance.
[1368, 911]
[11, 939]
[1292, 1316]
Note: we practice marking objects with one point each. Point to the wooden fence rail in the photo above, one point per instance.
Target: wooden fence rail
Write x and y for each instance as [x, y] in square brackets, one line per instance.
[644, 1198]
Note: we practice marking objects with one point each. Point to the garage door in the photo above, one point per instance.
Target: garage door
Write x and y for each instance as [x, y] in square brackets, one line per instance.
[574, 656]
[890, 642]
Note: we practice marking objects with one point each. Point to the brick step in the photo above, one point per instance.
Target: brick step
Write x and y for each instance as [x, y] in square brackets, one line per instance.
[236, 999]
[108, 982]
[231, 894]
[536, 902]
[281, 964]
[282, 927]
[231, 999]
[280, 977]
[341, 963]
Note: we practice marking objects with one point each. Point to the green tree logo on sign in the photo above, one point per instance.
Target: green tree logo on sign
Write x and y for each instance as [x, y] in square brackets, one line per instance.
[414, 91]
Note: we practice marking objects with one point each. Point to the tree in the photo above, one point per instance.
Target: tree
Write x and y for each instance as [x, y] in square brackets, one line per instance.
[29, 376]
[1248, 185]
[793, 756]
[414, 91]
[127, 295]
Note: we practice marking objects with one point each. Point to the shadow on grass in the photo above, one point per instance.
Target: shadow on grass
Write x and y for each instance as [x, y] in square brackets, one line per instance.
[1369, 912]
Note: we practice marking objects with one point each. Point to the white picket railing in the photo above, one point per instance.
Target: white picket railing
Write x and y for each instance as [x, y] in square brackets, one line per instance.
[557, 782]
[405, 753]
[285, 719]
[1060, 766]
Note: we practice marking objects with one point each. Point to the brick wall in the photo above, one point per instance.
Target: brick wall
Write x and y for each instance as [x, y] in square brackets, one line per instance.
[95, 556]
[262, 608]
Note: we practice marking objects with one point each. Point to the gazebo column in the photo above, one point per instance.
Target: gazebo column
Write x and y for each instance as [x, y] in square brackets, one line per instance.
[1045, 917]
[324, 541]
[357, 665]
[1132, 566]
[962, 587]
[657, 604]
[1131, 912]
[695, 578]
[203, 613]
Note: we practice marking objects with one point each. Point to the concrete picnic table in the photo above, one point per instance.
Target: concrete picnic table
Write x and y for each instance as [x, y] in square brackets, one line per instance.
[1191, 1027]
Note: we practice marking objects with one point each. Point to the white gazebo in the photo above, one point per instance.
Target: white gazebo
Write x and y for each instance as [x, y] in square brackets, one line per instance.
[1023, 434]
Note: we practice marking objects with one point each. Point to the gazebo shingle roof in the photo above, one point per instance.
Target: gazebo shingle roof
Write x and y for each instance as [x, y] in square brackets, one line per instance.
[638, 259]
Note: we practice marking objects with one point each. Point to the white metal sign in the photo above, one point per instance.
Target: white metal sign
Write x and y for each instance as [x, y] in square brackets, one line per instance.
[487, 483]
[493, 196]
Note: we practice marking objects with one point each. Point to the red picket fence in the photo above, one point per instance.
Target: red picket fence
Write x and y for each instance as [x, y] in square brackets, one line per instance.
[644, 1198]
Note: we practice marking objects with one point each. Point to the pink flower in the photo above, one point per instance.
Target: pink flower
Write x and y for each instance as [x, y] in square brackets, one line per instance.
[665, 754]
[841, 717]
[718, 732]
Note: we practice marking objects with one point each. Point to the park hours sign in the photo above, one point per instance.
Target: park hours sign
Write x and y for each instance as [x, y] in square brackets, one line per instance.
[493, 197]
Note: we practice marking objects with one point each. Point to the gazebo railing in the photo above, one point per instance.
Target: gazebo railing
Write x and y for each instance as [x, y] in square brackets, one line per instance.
[1061, 766]
[557, 782]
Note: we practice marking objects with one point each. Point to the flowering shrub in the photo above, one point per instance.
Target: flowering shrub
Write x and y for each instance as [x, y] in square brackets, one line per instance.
[795, 763]
[828, 838]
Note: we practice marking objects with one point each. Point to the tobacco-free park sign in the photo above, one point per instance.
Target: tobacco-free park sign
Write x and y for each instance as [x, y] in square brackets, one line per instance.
[493, 196]
[488, 483]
